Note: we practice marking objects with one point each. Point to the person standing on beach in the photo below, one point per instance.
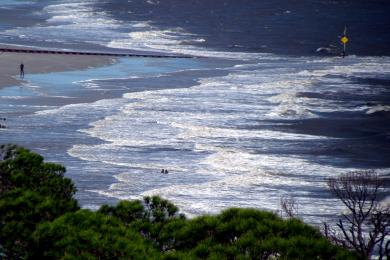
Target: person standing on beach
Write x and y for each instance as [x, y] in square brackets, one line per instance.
[22, 71]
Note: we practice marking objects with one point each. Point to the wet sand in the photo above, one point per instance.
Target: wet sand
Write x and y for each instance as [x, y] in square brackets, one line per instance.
[44, 63]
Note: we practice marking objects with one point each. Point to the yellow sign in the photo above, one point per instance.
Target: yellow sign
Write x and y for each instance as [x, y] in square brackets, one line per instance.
[344, 39]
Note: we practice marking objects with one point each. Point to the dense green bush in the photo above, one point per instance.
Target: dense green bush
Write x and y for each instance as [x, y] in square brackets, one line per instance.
[90, 235]
[40, 219]
[242, 234]
[31, 193]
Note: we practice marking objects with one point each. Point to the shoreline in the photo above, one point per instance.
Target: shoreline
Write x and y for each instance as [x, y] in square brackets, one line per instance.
[44, 63]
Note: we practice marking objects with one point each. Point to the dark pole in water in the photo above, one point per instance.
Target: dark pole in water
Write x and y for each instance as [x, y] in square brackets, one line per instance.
[344, 41]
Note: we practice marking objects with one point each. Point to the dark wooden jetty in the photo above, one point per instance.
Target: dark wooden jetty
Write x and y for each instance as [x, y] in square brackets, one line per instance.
[112, 54]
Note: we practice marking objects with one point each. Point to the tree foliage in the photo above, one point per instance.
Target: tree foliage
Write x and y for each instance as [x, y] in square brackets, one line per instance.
[32, 192]
[248, 234]
[89, 235]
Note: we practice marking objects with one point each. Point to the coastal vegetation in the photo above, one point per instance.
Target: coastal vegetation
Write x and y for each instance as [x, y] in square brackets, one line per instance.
[40, 219]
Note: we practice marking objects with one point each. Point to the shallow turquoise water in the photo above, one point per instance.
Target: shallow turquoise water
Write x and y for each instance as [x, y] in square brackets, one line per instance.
[14, 2]
[68, 83]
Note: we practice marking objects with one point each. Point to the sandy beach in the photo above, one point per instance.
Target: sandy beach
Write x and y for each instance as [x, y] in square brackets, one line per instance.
[44, 63]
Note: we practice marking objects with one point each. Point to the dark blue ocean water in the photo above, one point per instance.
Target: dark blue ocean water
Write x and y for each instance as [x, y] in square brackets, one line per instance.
[261, 116]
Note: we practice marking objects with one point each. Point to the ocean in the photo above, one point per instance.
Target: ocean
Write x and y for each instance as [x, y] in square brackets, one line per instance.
[259, 114]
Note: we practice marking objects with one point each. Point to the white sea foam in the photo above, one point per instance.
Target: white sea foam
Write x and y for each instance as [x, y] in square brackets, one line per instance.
[141, 24]
[13, 97]
[78, 21]
[378, 108]
[200, 134]
[153, 2]
[80, 14]
[174, 40]
[98, 106]
[245, 180]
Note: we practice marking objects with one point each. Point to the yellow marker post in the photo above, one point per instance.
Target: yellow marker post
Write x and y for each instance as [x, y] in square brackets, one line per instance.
[344, 41]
